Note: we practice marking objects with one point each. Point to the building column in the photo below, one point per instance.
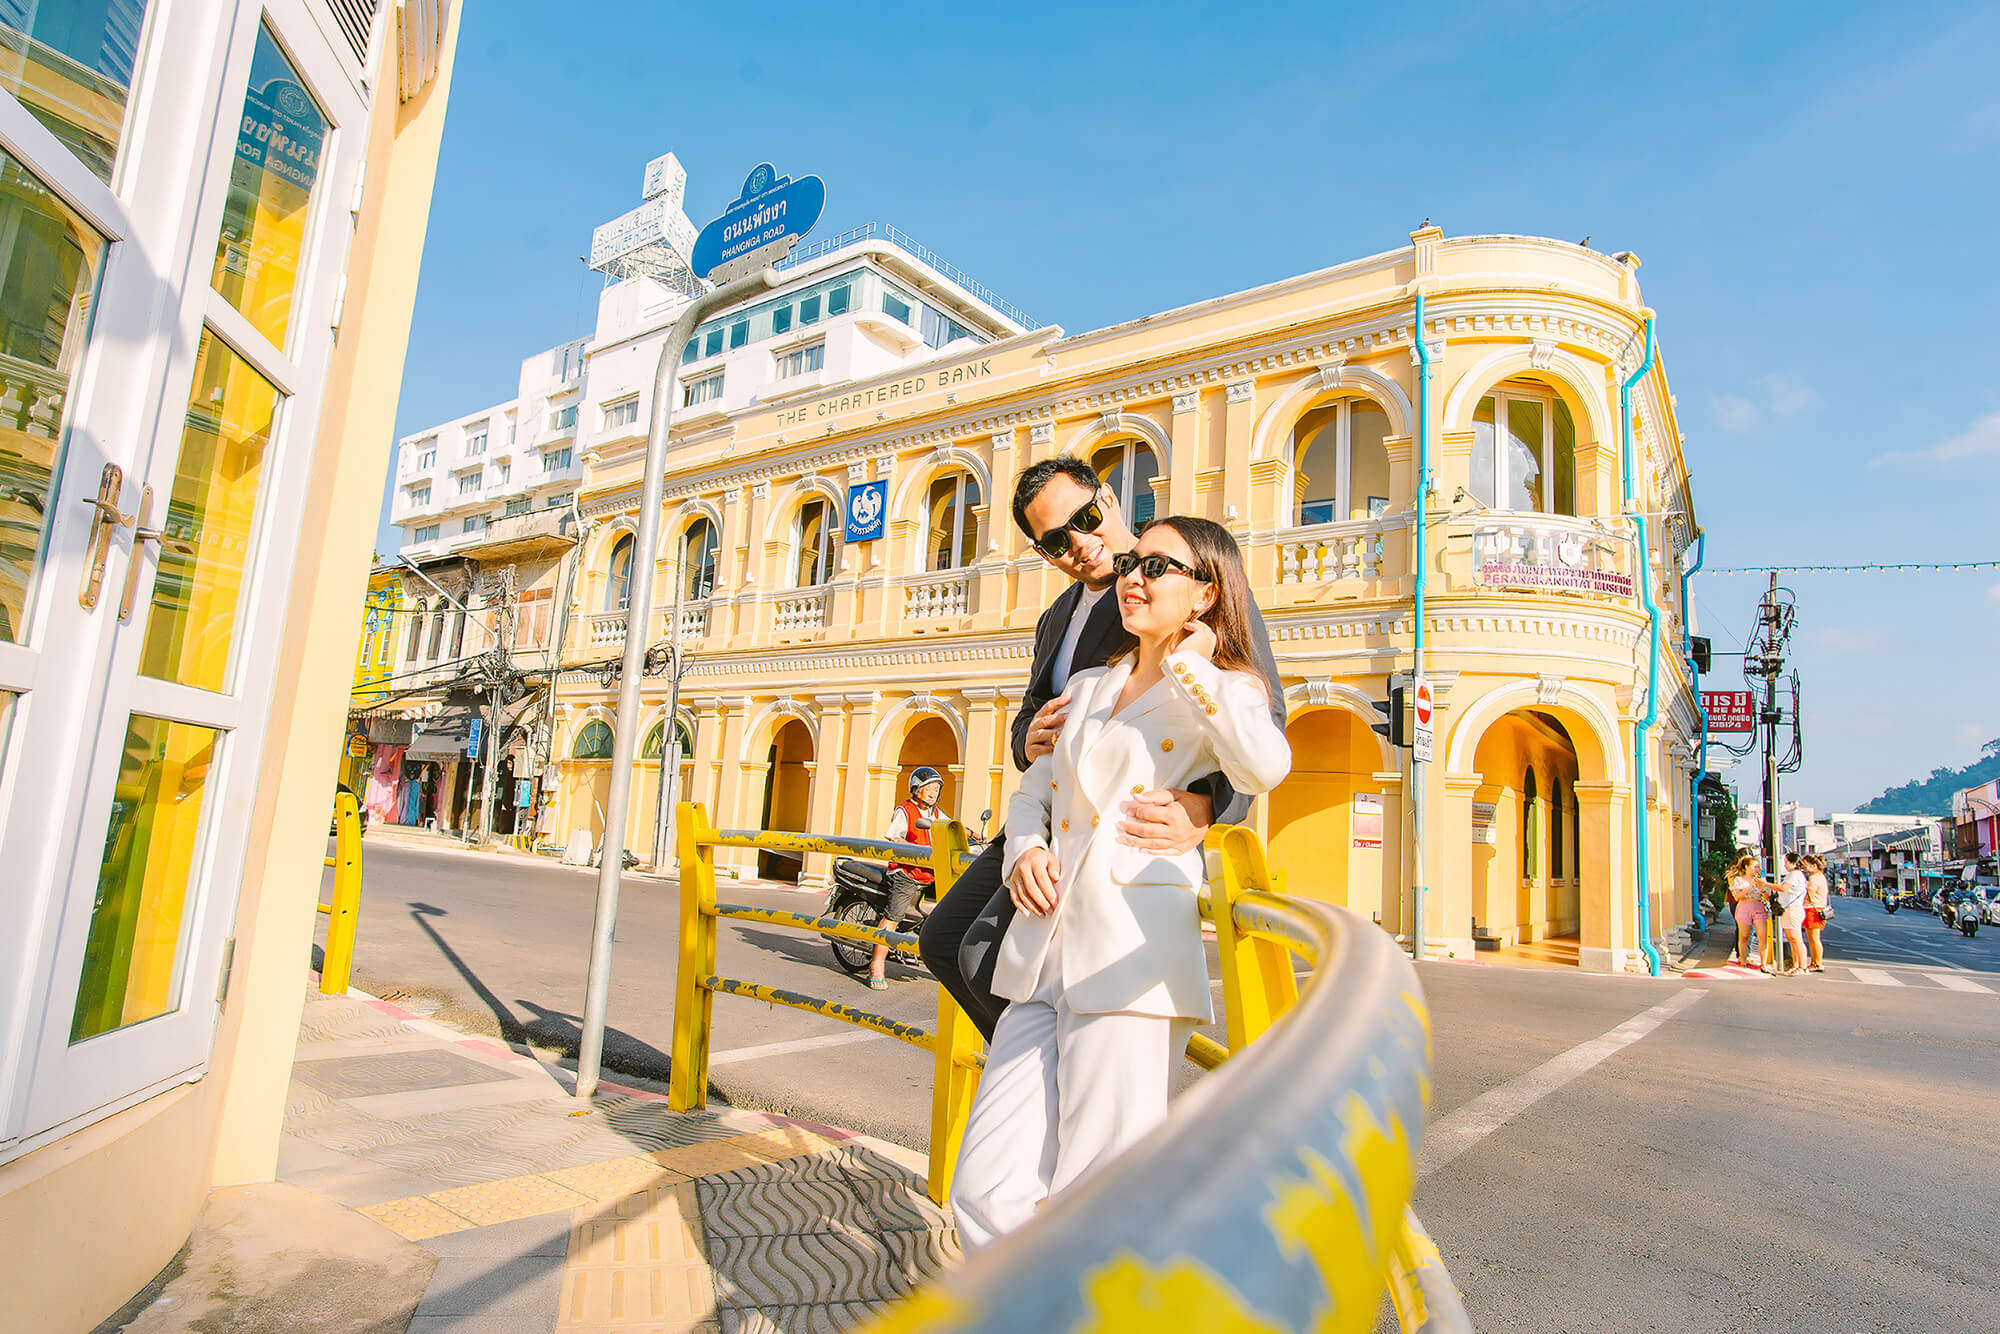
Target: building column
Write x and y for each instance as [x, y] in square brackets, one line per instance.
[1605, 934]
[1388, 908]
[730, 783]
[983, 761]
[823, 803]
[990, 604]
[855, 818]
[1186, 437]
[1239, 432]
[1448, 930]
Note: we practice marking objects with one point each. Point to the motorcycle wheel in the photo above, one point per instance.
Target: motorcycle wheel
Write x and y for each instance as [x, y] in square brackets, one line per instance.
[1971, 929]
[852, 955]
[1889, 908]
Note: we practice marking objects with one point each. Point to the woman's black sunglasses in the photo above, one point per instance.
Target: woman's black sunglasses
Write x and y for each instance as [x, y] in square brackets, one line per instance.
[1088, 518]
[1153, 567]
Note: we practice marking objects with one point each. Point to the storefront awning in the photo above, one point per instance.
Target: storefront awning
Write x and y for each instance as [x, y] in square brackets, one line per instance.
[445, 736]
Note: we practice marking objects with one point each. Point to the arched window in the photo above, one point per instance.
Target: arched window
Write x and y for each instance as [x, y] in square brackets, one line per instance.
[1524, 452]
[1341, 465]
[699, 547]
[593, 742]
[437, 633]
[458, 633]
[952, 537]
[618, 577]
[656, 742]
[1556, 862]
[812, 545]
[1531, 828]
[1129, 468]
[416, 632]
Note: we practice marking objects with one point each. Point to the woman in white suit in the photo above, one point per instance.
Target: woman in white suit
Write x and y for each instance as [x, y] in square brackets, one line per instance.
[1103, 965]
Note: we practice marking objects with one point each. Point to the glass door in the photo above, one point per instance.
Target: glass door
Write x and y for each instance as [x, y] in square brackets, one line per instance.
[151, 584]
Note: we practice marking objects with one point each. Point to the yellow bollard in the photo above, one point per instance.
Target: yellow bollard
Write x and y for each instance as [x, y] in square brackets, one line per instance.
[955, 1046]
[344, 912]
[694, 1004]
[1257, 981]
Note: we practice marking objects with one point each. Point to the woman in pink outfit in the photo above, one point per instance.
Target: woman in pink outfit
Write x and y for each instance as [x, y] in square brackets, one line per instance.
[1748, 890]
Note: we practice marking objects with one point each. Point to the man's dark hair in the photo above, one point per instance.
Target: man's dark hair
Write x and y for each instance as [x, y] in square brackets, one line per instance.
[1039, 475]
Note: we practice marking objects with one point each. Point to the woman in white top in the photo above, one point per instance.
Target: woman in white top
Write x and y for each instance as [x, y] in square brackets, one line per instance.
[1103, 965]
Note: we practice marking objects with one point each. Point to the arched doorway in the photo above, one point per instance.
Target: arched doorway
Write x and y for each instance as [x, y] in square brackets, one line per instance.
[787, 795]
[929, 742]
[1326, 818]
[1526, 837]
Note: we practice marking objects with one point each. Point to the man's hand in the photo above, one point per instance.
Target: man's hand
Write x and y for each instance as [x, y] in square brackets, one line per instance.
[1160, 820]
[1033, 884]
[1047, 726]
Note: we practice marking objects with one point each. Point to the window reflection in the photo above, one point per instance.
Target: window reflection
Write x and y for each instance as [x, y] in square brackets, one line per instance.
[70, 64]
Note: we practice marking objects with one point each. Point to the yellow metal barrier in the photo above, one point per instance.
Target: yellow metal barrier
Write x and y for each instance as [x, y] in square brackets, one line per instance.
[1280, 1201]
[345, 910]
[955, 1044]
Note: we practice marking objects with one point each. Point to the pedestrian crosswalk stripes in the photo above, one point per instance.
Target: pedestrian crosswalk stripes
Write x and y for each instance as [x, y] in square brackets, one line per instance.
[1986, 984]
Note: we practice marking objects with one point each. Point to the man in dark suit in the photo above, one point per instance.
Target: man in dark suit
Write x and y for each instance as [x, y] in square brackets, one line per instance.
[1074, 521]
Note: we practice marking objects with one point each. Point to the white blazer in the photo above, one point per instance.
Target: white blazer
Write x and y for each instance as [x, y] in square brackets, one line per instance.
[1125, 923]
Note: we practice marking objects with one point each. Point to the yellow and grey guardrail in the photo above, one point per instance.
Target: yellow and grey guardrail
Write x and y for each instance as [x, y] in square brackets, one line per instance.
[345, 910]
[1274, 1198]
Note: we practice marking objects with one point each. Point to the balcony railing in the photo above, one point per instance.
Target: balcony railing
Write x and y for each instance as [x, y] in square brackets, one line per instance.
[694, 619]
[605, 628]
[1326, 551]
[945, 594]
[802, 610]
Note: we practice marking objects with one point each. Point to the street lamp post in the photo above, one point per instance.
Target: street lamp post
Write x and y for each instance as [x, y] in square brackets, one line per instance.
[625, 740]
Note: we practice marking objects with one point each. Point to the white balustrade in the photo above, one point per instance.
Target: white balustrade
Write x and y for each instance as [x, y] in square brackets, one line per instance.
[948, 594]
[606, 628]
[1330, 551]
[803, 610]
[694, 619]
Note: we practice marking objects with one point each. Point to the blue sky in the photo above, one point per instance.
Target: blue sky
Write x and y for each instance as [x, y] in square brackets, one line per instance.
[1812, 190]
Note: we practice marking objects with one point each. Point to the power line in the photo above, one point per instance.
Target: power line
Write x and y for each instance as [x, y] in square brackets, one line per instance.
[1905, 567]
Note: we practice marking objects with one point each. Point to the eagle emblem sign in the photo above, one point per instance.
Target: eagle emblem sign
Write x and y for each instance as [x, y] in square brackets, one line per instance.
[867, 508]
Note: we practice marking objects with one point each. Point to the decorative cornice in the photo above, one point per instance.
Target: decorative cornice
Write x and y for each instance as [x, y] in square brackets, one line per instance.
[1240, 391]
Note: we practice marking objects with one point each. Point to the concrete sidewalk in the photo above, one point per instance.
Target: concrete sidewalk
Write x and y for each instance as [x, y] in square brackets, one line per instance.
[462, 1174]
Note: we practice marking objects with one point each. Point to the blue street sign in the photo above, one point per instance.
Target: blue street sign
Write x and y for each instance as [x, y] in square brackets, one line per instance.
[770, 209]
[472, 742]
[867, 511]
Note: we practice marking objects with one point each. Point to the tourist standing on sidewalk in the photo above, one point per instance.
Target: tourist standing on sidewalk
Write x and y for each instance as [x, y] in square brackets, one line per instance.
[1103, 962]
[1818, 909]
[1747, 890]
[1792, 913]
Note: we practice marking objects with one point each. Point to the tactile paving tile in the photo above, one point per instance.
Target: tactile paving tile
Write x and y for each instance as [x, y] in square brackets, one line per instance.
[649, 1124]
[394, 1072]
[504, 1201]
[920, 1257]
[821, 1167]
[614, 1178]
[803, 1271]
[415, 1218]
[637, 1264]
[781, 1209]
[900, 1206]
[338, 1018]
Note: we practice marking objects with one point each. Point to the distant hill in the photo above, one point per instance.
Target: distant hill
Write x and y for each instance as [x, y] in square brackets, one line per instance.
[1932, 796]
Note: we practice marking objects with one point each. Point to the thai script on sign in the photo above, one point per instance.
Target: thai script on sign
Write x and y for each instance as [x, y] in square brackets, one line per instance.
[1525, 574]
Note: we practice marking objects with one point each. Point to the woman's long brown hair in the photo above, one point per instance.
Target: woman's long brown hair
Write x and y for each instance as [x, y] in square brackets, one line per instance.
[1217, 556]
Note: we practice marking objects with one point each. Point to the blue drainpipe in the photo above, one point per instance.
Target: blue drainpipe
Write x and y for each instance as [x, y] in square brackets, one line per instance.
[1644, 730]
[1701, 772]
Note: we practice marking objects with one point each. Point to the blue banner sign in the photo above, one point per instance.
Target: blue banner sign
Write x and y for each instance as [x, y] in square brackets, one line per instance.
[472, 742]
[771, 208]
[867, 511]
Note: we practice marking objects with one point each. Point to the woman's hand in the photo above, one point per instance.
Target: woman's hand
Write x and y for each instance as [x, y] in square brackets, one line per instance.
[1033, 884]
[1197, 637]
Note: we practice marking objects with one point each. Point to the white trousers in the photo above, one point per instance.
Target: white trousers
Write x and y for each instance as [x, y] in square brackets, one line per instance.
[1061, 1093]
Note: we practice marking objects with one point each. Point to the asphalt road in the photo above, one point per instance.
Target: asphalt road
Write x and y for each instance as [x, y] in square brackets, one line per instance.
[1776, 1153]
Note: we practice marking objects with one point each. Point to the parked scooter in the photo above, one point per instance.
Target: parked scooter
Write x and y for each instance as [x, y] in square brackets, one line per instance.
[858, 896]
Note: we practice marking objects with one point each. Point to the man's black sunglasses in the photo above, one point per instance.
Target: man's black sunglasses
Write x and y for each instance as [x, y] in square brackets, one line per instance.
[1088, 518]
[1153, 567]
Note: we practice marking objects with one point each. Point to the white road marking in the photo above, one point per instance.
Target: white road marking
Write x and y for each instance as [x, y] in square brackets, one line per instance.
[1470, 1124]
[1952, 982]
[1875, 977]
[759, 1052]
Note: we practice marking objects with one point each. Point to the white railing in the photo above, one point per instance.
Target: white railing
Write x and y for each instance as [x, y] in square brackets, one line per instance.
[694, 619]
[31, 398]
[1552, 553]
[802, 610]
[605, 628]
[1331, 551]
[947, 594]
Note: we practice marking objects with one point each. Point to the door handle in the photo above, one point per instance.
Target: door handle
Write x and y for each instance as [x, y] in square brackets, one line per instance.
[141, 533]
[110, 484]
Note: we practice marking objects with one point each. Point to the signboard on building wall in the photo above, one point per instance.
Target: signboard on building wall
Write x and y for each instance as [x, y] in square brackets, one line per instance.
[1548, 556]
[1482, 822]
[1729, 710]
[867, 511]
[1367, 831]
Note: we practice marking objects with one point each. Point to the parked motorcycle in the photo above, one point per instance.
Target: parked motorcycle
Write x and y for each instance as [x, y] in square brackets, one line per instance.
[858, 896]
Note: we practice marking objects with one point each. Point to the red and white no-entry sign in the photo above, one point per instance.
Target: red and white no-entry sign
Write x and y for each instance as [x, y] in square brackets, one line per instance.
[1423, 704]
[1421, 710]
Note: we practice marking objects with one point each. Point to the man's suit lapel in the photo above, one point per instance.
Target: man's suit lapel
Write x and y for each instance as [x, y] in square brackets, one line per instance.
[1101, 633]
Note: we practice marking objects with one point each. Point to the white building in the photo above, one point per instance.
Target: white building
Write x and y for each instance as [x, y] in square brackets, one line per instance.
[856, 306]
[454, 478]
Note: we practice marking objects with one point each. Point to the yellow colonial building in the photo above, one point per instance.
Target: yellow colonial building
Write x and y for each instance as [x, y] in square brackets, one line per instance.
[821, 670]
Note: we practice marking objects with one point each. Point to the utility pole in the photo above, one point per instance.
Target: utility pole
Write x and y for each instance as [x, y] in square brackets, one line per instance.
[1774, 628]
[503, 668]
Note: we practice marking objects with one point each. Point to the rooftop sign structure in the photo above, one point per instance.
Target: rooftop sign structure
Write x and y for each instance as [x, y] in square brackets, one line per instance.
[655, 240]
[761, 227]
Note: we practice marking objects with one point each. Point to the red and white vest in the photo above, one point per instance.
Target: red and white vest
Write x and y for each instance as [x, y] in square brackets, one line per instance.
[912, 813]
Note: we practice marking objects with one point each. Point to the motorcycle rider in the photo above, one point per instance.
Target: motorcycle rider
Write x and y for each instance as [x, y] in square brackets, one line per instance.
[906, 885]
